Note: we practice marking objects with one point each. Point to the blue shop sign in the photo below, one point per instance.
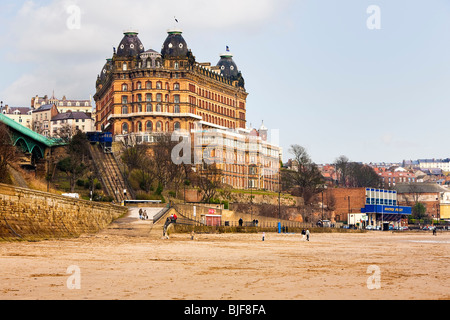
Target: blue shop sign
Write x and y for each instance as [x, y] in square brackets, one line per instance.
[386, 209]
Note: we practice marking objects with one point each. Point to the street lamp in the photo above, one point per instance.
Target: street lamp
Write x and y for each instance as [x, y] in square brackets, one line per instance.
[324, 188]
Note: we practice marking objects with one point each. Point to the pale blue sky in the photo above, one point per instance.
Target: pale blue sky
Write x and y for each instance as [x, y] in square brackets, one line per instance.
[312, 67]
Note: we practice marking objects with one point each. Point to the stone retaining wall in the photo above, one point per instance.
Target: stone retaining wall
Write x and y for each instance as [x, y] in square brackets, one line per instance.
[29, 214]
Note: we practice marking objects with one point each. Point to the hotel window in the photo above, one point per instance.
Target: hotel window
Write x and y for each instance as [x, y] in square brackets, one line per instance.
[124, 87]
[158, 108]
[125, 128]
[148, 85]
[159, 97]
[176, 86]
[176, 109]
[139, 108]
[149, 126]
[139, 127]
[124, 99]
[148, 97]
[176, 65]
[124, 110]
[159, 126]
[139, 85]
[176, 98]
[124, 67]
[149, 107]
[139, 97]
[158, 85]
[177, 126]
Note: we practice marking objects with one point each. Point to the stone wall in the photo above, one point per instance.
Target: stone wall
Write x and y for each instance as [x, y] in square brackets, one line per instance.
[29, 214]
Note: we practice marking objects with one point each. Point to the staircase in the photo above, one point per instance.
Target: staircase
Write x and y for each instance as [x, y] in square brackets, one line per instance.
[110, 175]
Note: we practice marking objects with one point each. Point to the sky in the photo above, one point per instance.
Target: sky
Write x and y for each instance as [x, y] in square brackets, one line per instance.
[336, 77]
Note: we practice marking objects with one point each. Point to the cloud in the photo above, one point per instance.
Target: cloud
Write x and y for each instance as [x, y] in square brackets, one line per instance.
[56, 53]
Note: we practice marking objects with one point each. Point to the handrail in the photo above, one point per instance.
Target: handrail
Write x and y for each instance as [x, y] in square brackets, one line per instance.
[160, 214]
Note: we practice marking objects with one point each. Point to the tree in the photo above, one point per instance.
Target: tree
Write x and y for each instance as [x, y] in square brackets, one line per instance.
[363, 176]
[72, 168]
[208, 180]
[419, 211]
[76, 163]
[356, 175]
[305, 175]
[342, 170]
[7, 152]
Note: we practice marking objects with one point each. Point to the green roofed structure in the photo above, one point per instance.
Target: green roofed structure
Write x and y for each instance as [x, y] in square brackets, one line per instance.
[29, 141]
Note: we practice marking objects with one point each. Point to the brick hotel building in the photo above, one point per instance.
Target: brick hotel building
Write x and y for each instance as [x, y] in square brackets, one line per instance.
[142, 93]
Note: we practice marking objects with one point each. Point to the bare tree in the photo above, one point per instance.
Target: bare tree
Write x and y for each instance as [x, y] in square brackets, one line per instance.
[306, 176]
[208, 180]
[7, 152]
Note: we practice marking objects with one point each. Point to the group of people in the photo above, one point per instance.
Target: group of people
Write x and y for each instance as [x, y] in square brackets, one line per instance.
[143, 214]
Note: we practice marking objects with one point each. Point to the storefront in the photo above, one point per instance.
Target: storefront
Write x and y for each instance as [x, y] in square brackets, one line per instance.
[385, 216]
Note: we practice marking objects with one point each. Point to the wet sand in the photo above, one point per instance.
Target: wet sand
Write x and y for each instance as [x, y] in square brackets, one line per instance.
[412, 266]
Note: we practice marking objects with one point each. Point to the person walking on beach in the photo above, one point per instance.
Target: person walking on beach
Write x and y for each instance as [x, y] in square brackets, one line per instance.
[303, 234]
[140, 214]
[264, 236]
[307, 234]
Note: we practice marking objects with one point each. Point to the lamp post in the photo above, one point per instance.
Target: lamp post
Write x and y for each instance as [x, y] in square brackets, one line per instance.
[323, 189]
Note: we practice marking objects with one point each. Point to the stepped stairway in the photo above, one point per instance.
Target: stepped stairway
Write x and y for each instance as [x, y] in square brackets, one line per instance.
[110, 175]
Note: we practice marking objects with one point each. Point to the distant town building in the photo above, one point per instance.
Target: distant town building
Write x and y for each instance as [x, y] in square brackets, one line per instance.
[63, 105]
[42, 117]
[21, 115]
[65, 125]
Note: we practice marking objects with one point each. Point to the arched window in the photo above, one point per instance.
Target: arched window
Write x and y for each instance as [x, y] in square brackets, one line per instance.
[125, 128]
[159, 126]
[149, 107]
[177, 126]
[139, 85]
[159, 85]
[149, 126]
[176, 86]
[139, 108]
[139, 126]
[148, 85]
[167, 127]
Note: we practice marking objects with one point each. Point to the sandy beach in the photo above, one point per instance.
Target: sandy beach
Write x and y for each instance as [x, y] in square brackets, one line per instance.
[411, 266]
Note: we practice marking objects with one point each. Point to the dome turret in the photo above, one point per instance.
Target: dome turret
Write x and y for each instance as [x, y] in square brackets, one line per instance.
[131, 45]
[175, 46]
[228, 67]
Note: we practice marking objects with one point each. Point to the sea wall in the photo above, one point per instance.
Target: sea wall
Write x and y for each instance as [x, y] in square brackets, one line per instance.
[29, 214]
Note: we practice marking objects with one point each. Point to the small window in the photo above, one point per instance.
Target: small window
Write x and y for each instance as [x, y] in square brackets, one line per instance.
[149, 107]
[125, 128]
[124, 87]
[149, 126]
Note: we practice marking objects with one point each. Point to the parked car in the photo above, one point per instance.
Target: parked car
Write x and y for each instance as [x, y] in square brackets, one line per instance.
[370, 228]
